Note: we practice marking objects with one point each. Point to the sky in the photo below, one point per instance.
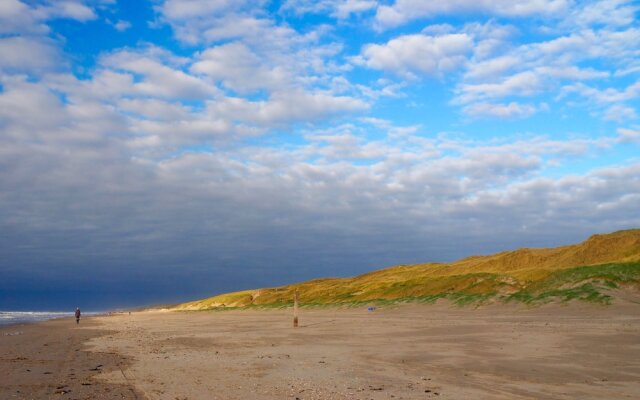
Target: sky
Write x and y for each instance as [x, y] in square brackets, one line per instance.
[167, 150]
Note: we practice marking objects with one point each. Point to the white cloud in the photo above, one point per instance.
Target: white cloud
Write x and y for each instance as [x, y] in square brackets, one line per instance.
[539, 68]
[609, 95]
[286, 107]
[421, 54]
[21, 54]
[613, 46]
[620, 113]
[169, 102]
[240, 27]
[158, 76]
[246, 62]
[492, 68]
[29, 108]
[510, 110]
[403, 11]
[196, 21]
[122, 26]
[345, 146]
[571, 72]
[344, 9]
[105, 85]
[158, 102]
[555, 59]
[154, 109]
[189, 9]
[496, 70]
[169, 135]
[522, 84]
[240, 69]
[628, 70]
[66, 9]
[341, 9]
[611, 13]
[17, 17]
[629, 135]
[25, 46]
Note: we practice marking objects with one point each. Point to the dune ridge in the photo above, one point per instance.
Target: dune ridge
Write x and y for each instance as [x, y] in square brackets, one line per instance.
[595, 270]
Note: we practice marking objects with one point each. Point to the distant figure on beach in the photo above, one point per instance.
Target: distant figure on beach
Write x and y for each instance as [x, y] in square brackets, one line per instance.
[77, 315]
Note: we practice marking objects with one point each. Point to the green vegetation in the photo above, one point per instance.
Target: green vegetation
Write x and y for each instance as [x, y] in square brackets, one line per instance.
[591, 271]
[587, 283]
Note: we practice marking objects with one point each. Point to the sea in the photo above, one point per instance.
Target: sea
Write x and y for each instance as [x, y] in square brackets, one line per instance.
[21, 317]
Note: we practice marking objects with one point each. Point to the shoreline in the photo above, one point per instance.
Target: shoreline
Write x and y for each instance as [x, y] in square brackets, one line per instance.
[25, 321]
[35, 317]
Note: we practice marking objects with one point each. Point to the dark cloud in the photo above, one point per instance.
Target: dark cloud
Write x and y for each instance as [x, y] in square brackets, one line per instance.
[149, 180]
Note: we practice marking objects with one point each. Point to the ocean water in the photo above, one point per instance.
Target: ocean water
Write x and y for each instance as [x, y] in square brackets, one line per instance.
[20, 317]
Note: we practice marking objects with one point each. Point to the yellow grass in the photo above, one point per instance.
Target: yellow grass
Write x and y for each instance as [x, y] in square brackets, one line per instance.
[502, 273]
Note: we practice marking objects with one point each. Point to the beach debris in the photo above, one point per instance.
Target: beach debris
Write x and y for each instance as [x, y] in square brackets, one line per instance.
[13, 333]
[295, 308]
[62, 389]
[97, 368]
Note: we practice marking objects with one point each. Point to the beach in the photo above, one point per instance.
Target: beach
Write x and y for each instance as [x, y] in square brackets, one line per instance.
[48, 360]
[575, 351]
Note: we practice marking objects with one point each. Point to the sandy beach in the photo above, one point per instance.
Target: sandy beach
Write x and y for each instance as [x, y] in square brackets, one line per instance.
[579, 351]
[48, 360]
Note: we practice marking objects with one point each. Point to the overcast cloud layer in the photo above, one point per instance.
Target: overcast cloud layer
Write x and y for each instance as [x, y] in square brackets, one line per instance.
[176, 149]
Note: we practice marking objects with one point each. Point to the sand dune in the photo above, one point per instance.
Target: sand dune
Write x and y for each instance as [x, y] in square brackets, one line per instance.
[579, 271]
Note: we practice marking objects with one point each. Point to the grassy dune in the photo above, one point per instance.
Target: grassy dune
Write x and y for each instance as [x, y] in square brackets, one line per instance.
[591, 271]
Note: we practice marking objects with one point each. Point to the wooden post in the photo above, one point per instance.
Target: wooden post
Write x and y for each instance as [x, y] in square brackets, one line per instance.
[295, 309]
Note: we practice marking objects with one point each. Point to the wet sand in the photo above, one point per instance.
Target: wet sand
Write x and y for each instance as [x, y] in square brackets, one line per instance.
[48, 360]
[578, 351]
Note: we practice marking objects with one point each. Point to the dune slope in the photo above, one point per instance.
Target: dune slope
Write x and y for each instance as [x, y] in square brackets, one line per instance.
[594, 270]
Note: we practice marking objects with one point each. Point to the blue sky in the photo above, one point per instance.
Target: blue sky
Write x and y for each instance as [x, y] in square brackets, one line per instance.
[167, 150]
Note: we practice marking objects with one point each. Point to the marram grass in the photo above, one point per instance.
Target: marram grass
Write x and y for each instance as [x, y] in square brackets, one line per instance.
[590, 271]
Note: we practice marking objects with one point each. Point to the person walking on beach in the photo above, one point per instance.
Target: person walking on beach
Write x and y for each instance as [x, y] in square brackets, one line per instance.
[77, 315]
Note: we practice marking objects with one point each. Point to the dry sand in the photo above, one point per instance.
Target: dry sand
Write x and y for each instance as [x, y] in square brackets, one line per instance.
[578, 351]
